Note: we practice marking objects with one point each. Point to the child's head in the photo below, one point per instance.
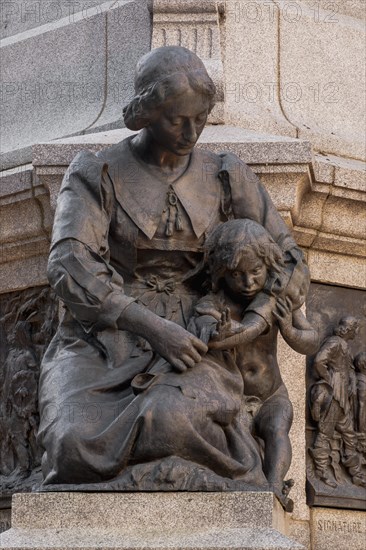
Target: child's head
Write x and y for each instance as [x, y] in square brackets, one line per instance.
[360, 362]
[242, 255]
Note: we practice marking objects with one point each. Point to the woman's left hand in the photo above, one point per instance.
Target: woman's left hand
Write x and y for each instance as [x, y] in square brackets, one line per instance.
[283, 313]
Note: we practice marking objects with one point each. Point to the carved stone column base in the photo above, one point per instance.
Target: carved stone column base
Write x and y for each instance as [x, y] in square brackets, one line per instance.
[147, 520]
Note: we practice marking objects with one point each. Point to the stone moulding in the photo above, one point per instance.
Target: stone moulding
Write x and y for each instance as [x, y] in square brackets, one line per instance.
[320, 197]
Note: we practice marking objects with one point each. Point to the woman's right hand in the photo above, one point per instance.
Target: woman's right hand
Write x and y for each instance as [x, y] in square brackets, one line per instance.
[178, 346]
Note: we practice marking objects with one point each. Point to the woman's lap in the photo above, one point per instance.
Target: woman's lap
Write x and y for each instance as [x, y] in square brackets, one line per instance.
[93, 425]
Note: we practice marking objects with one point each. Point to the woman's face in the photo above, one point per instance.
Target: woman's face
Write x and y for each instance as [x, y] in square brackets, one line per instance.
[249, 277]
[180, 122]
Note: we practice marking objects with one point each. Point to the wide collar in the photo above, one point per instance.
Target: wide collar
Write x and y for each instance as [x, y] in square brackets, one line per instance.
[142, 195]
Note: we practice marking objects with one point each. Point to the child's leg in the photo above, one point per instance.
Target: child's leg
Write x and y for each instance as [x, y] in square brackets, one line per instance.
[272, 424]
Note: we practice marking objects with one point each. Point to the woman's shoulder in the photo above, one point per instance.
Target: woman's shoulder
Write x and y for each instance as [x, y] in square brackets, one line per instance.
[236, 168]
[87, 167]
[228, 164]
[115, 152]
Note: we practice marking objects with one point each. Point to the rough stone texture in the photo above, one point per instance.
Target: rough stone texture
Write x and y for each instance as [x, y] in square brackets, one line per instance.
[5, 516]
[20, 16]
[353, 8]
[251, 72]
[333, 212]
[251, 146]
[259, 148]
[337, 269]
[328, 76]
[99, 539]
[84, 78]
[176, 510]
[337, 529]
[14, 181]
[300, 532]
[314, 91]
[347, 175]
[154, 520]
[333, 216]
[293, 368]
[26, 224]
[23, 273]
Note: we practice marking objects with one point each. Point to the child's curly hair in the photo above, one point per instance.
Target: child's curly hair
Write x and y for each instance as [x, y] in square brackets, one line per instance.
[227, 243]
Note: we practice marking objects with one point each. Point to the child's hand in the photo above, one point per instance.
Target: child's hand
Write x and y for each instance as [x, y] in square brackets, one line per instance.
[226, 327]
[223, 326]
[283, 313]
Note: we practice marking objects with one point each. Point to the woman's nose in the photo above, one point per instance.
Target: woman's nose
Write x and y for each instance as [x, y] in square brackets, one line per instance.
[189, 132]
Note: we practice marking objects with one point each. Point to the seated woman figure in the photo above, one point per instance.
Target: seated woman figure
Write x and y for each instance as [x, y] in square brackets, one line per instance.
[243, 262]
[127, 261]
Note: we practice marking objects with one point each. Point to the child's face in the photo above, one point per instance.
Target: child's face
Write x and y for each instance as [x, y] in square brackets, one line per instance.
[249, 276]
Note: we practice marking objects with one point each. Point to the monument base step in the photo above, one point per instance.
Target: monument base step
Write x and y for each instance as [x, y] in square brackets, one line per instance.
[147, 521]
[97, 539]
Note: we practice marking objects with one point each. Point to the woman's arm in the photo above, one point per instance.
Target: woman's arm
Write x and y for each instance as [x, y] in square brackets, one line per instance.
[250, 199]
[78, 266]
[81, 275]
[178, 346]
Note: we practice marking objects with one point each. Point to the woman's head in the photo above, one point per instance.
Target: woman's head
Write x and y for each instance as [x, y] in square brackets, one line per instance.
[242, 254]
[167, 81]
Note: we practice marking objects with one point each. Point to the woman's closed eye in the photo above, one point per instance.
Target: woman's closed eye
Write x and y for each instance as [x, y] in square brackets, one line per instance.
[200, 119]
[176, 121]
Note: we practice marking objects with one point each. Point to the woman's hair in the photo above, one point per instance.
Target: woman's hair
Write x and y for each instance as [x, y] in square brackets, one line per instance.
[163, 73]
[226, 245]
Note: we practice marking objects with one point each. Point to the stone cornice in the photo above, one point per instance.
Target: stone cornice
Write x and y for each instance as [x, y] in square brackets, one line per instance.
[320, 197]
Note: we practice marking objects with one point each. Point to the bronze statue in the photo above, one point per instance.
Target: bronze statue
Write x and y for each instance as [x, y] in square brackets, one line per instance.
[244, 260]
[129, 398]
[332, 405]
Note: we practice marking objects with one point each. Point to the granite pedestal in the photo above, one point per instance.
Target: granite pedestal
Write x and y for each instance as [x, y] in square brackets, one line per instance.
[117, 521]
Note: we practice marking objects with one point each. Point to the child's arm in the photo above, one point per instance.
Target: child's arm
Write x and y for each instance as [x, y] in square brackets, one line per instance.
[295, 328]
[257, 319]
[252, 326]
[206, 316]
